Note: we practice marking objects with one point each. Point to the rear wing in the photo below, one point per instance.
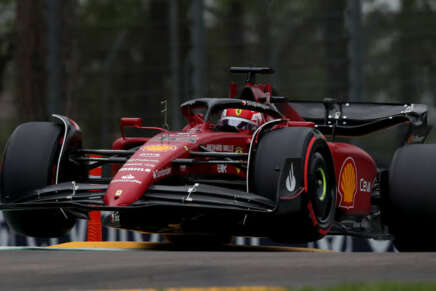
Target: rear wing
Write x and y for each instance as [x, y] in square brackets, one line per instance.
[351, 119]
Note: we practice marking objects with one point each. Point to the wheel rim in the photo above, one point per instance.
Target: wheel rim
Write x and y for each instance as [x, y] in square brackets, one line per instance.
[322, 184]
[321, 191]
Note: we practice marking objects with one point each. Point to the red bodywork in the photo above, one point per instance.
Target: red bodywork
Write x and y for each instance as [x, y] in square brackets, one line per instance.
[152, 162]
[365, 173]
[355, 170]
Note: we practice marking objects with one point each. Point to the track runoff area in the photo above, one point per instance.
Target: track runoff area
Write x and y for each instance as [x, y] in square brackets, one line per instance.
[150, 246]
[124, 246]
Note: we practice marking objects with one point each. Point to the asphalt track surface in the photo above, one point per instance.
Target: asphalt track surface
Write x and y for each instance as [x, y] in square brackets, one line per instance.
[56, 269]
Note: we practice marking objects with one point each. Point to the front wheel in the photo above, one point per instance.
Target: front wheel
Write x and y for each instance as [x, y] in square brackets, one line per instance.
[322, 194]
[294, 167]
[30, 162]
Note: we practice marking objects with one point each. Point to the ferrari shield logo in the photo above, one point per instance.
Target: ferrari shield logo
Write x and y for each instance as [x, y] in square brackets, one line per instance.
[118, 193]
[239, 150]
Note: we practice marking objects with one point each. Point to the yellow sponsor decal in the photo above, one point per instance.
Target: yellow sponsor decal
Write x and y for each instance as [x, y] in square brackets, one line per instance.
[159, 148]
[238, 112]
[238, 150]
[348, 183]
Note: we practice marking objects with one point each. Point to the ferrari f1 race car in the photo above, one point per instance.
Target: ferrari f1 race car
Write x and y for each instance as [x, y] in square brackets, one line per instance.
[283, 177]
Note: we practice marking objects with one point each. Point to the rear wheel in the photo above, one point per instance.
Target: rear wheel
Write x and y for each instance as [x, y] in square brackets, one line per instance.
[294, 167]
[29, 163]
[410, 206]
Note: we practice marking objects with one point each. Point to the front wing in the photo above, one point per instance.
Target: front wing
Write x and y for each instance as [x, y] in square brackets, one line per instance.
[88, 197]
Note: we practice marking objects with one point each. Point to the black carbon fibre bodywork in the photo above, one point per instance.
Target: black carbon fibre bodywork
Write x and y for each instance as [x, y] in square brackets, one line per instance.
[356, 119]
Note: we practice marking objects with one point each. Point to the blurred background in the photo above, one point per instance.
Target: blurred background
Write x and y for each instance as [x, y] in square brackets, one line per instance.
[99, 60]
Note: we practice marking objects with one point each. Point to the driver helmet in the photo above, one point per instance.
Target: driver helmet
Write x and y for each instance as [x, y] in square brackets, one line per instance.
[241, 119]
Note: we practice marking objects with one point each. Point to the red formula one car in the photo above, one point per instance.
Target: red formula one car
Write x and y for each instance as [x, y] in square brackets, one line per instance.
[280, 175]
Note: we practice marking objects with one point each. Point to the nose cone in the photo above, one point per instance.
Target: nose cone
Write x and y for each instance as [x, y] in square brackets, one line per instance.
[127, 187]
[134, 177]
[151, 163]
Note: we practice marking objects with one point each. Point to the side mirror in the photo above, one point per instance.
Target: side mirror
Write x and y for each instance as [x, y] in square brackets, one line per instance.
[130, 122]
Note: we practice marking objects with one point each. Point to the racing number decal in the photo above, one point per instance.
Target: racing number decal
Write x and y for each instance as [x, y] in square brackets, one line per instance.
[347, 186]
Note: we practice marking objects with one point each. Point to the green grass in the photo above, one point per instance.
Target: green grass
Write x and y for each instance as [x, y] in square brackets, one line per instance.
[374, 287]
[341, 287]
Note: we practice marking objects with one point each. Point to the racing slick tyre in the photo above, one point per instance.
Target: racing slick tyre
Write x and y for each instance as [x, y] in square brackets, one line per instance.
[294, 167]
[410, 206]
[29, 163]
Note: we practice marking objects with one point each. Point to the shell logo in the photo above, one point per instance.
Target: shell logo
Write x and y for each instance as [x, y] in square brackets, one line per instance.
[159, 148]
[348, 183]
